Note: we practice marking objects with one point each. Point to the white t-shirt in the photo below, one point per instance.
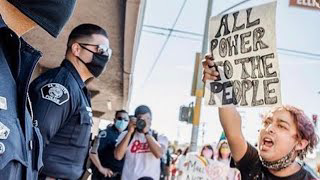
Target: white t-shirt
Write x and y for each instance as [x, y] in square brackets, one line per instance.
[139, 160]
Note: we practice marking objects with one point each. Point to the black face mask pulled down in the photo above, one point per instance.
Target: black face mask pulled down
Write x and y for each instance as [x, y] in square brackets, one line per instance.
[97, 65]
[51, 15]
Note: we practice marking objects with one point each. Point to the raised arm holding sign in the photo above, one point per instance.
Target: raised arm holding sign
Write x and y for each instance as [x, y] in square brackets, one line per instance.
[286, 131]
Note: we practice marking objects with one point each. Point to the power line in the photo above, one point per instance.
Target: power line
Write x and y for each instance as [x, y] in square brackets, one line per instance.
[299, 52]
[165, 43]
[238, 4]
[174, 30]
[164, 34]
[302, 56]
[171, 30]
[188, 32]
[291, 51]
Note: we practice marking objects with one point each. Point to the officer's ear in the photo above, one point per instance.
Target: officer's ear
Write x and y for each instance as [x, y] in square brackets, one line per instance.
[75, 49]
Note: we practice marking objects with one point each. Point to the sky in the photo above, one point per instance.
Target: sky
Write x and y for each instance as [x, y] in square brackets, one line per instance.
[169, 85]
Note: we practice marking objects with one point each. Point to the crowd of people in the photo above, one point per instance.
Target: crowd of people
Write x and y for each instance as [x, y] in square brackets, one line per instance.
[127, 151]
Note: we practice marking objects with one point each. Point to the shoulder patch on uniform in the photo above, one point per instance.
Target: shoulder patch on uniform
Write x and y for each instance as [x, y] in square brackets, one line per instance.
[103, 134]
[55, 92]
[4, 131]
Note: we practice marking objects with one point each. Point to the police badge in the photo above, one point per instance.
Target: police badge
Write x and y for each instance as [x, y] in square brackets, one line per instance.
[4, 131]
[55, 92]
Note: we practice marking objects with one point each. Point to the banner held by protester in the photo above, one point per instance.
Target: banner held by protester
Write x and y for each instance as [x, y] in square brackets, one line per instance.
[243, 44]
[197, 167]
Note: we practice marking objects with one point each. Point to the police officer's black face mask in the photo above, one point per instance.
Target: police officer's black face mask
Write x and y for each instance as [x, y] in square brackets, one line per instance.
[98, 63]
[51, 15]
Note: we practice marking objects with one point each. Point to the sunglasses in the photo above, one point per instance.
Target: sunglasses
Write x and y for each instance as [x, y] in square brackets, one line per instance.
[101, 49]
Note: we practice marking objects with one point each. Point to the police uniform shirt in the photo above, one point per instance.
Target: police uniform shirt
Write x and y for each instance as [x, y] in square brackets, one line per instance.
[62, 107]
[20, 142]
[106, 148]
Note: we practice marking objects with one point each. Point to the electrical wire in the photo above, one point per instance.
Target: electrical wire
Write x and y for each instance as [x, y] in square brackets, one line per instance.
[173, 35]
[165, 43]
[226, 10]
[174, 30]
[297, 53]
[301, 56]
[290, 52]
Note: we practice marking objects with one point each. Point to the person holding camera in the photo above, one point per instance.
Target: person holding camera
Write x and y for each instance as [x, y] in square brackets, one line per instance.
[141, 147]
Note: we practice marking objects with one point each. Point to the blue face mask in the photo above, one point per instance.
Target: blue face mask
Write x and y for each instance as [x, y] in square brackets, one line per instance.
[121, 124]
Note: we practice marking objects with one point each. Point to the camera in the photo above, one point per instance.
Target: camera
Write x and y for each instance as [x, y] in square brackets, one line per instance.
[140, 125]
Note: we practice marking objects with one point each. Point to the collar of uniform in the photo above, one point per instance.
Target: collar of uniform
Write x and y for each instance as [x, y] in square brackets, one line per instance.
[115, 129]
[69, 66]
[2, 23]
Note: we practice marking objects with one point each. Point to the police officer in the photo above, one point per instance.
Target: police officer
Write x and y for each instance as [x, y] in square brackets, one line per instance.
[106, 166]
[20, 142]
[62, 105]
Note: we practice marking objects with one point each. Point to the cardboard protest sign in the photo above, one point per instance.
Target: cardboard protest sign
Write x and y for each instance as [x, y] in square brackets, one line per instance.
[198, 168]
[243, 44]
